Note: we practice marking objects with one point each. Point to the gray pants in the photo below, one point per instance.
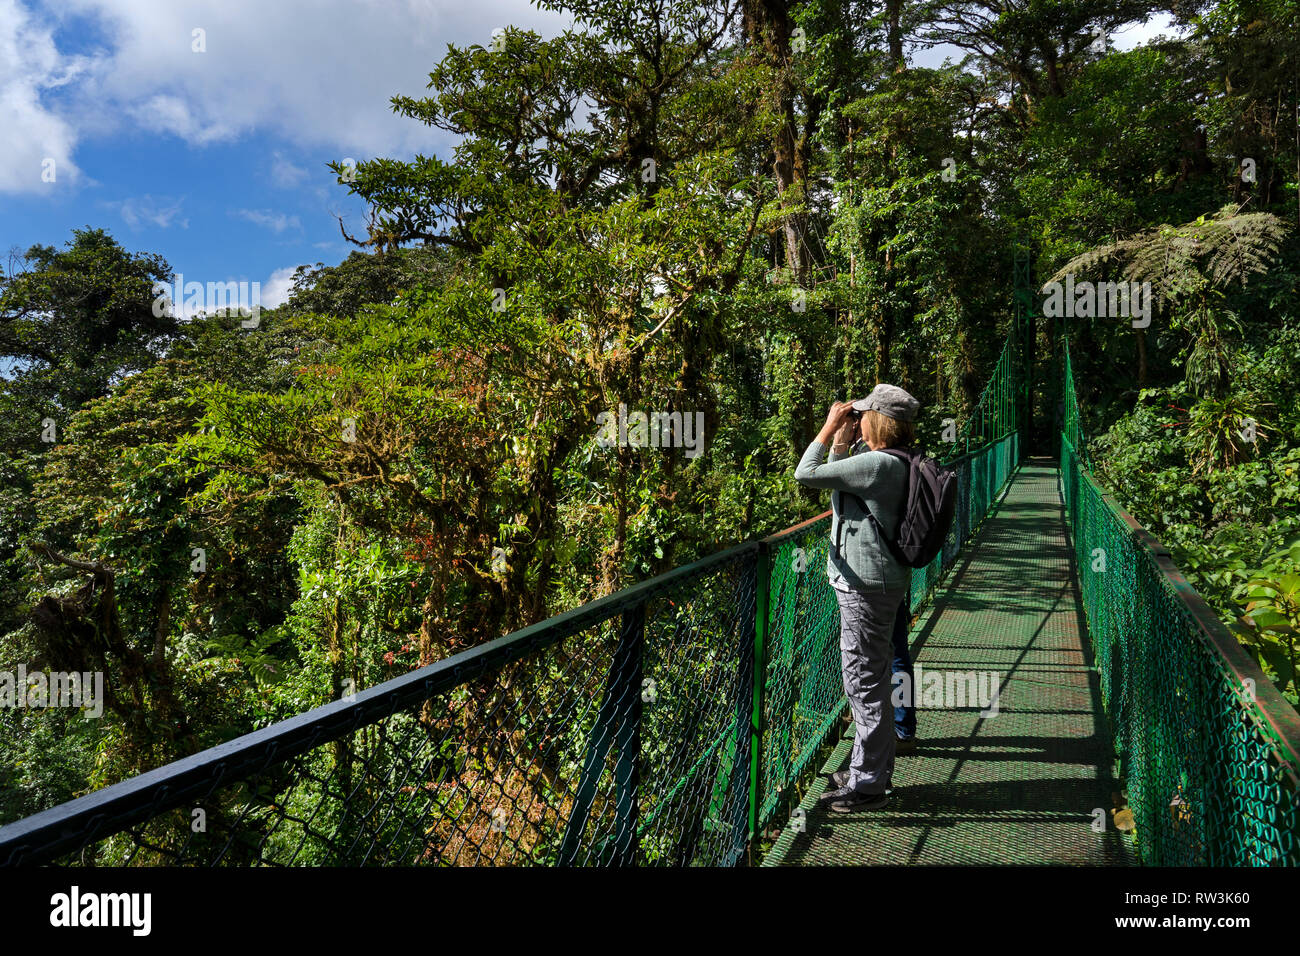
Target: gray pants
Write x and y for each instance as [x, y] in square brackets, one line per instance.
[866, 656]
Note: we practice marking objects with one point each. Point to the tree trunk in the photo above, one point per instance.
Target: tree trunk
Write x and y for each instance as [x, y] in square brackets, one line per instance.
[1142, 358]
[894, 33]
[768, 26]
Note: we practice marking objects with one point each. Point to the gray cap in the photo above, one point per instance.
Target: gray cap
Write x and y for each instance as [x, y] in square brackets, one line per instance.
[891, 401]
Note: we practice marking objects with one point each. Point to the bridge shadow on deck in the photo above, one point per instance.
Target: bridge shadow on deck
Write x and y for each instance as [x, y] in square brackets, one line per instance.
[1021, 785]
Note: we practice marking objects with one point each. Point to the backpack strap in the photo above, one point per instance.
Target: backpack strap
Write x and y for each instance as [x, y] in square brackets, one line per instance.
[906, 456]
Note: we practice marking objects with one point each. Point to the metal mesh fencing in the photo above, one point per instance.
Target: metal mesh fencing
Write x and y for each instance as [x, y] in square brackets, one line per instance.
[601, 737]
[1208, 748]
[996, 412]
[981, 478]
[803, 696]
[993, 428]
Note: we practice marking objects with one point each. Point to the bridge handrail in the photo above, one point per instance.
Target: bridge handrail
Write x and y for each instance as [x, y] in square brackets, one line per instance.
[1209, 748]
[143, 796]
[996, 405]
[82, 821]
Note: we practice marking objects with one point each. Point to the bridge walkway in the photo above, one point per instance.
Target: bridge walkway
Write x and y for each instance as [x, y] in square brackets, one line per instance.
[1020, 783]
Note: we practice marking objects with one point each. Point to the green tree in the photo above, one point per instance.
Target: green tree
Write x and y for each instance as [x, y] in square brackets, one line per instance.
[75, 321]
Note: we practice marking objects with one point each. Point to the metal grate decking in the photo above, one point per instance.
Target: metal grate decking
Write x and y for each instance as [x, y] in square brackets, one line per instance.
[1021, 786]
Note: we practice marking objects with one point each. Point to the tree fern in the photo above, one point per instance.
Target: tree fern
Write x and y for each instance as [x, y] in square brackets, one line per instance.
[1180, 261]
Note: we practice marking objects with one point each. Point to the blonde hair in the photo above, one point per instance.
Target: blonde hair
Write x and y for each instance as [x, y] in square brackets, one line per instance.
[888, 432]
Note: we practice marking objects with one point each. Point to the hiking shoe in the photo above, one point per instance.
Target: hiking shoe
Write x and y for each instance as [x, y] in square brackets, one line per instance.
[845, 800]
[840, 779]
[834, 793]
[905, 746]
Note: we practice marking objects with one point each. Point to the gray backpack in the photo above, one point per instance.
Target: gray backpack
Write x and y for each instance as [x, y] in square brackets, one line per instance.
[927, 510]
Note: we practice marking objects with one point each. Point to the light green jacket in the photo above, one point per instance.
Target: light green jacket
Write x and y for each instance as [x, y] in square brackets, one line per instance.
[857, 555]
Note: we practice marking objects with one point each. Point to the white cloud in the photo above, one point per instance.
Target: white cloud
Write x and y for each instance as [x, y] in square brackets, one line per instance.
[275, 290]
[1140, 34]
[169, 114]
[37, 144]
[316, 73]
[147, 210]
[276, 221]
[284, 173]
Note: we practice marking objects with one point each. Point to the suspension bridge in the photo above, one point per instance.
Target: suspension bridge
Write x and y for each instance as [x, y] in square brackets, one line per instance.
[691, 719]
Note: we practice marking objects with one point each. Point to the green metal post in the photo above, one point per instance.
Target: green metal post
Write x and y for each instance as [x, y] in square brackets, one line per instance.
[762, 587]
[1002, 394]
[617, 724]
[627, 741]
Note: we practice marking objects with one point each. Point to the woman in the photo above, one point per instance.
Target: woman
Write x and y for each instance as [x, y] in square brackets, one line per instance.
[867, 494]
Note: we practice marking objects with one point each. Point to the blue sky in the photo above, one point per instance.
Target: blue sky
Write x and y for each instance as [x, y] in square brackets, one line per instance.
[217, 159]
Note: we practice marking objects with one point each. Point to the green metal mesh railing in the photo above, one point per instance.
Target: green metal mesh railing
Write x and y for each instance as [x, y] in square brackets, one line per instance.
[615, 734]
[803, 694]
[994, 431]
[996, 412]
[1207, 746]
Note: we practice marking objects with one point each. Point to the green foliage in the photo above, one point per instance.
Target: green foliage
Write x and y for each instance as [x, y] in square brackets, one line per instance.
[77, 319]
[1271, 599]
[1107, 156]
[46, 758]
[1222, 496]
[361, 279]
[1223, 432]
[1184, 262]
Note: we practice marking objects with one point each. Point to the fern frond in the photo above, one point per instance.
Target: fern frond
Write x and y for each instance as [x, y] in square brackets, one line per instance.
[1218, 251]
[1241, 246]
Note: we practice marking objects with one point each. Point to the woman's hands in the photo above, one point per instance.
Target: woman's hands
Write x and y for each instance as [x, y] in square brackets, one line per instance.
[841, 426]
[848, 432]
